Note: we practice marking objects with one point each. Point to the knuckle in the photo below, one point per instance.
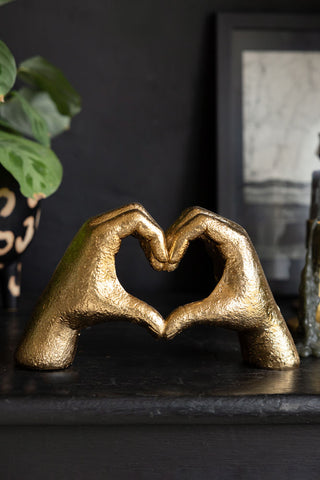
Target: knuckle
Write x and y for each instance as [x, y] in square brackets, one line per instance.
[199, 210]
[154, 231]
[243, 232]
[200, 218]
[136, 206]
[90, 223]
[136, 216]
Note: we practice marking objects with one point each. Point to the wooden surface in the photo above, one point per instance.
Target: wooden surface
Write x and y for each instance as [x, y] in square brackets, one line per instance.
[135, 407]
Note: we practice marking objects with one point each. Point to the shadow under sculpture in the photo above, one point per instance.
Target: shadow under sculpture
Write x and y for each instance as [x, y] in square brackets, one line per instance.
[84, 289]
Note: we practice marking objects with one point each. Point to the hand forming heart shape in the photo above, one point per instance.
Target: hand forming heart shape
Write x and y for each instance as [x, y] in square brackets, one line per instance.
[85, 290]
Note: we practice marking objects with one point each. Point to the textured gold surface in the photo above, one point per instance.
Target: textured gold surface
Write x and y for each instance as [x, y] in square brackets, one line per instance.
[85, 290]
[242, 299]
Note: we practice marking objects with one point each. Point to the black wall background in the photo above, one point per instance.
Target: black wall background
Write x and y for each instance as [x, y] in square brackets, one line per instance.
[145, 70]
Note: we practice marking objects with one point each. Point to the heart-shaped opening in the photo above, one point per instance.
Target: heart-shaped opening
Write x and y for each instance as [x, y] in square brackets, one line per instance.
[194, 279]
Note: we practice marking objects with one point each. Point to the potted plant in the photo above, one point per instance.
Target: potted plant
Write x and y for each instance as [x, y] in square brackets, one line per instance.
[30, 117]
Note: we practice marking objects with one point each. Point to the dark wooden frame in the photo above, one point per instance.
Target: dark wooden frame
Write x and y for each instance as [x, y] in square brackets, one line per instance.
[261, 32]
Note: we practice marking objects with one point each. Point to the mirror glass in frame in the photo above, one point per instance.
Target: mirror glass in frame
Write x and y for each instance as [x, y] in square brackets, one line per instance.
[272, 119]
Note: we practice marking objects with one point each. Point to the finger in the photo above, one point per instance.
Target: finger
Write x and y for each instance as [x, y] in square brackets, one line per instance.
[189, 231]
[115, 303]
[227, 236]
[105, 217]
[156, 264]
[219, 308]
[185, 215]
[138, 311]
[177, 321]
[149, 233]
[192, 212]
[117, 215]
[185, 316]
[184, 218]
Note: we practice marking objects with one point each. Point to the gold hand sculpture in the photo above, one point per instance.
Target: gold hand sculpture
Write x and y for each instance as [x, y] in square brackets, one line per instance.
[242, 299]
[85, 290]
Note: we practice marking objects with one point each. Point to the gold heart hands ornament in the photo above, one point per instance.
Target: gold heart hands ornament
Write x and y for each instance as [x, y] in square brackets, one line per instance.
[84, 289]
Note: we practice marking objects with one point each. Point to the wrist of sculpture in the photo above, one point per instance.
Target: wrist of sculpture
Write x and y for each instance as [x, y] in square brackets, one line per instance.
[50, 344]
[269, 347]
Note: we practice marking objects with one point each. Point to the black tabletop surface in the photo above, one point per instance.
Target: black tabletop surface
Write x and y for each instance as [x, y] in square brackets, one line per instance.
[122, 375]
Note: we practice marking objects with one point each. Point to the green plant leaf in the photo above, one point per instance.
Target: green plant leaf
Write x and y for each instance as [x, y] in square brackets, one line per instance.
[42, 102]
[40, 73]
[13, 114]
[35, 167]
[38, 125]
[7, 126]
[3, 2]
[8, 70]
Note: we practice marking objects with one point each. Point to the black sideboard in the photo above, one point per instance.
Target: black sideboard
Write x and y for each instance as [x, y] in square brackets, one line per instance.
[135, 407]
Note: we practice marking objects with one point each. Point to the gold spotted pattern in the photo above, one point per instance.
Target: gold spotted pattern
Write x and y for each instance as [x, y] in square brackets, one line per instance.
[8, 237]
[22, 243]
[13, 287]
[8, 208]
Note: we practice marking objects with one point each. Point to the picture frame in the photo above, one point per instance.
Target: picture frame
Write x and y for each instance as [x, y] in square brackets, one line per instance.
[265, 206]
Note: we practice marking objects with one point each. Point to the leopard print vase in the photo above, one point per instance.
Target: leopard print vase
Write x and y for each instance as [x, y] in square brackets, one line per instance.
[19, 219]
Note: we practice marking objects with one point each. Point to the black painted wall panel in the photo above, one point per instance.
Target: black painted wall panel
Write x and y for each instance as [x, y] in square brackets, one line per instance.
[145, 69]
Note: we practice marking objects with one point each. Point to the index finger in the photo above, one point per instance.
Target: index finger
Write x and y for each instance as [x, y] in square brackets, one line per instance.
[192, 212]
[202, 223]
[151, 236]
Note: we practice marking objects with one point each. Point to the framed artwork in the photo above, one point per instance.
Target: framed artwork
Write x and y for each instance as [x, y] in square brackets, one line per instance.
[268, 125]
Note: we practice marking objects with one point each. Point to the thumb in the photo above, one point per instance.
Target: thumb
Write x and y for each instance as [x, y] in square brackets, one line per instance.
[183, 317]
[140, 312]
